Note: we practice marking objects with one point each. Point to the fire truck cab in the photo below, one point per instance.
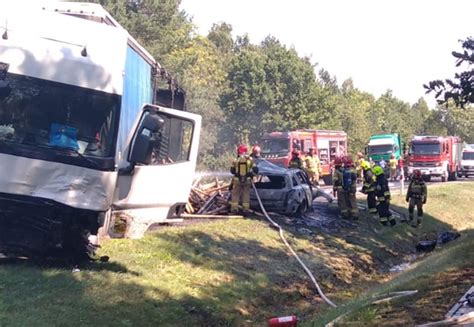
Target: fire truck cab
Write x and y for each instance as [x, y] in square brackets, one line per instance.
[438, 156]
[277, 147]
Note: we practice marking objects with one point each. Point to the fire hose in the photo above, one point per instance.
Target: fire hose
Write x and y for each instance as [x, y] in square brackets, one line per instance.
[308, 272]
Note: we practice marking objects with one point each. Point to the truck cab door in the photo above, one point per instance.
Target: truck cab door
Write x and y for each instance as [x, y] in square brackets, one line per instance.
[162, 155]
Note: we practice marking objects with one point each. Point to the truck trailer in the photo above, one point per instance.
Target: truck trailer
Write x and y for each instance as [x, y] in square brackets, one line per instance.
[81, 138]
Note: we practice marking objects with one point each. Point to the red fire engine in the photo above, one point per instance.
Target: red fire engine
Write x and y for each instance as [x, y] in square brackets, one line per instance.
[277, 147]
[435, 156]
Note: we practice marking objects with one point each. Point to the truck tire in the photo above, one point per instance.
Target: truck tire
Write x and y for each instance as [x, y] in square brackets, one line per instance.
[327, 180]
[444, 178]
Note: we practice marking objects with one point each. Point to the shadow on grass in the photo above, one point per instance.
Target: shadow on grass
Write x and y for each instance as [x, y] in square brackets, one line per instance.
[257, 284]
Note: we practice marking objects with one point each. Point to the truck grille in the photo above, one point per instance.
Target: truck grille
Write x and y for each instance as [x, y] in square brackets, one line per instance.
[424, 164]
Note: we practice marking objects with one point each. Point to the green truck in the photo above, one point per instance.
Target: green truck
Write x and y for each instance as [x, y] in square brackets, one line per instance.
[383, 146]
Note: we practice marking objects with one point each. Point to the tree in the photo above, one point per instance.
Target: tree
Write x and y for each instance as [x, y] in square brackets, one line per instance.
[270, 88]
[461, 90]
[200, 69]
[221, 36]
[355, 116]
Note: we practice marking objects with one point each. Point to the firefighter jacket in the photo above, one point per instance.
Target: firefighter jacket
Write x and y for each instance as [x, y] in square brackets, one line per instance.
[359, 163]
[296, 162]
[417, 190]
[313, 163]
[369, 182]
[243, 168]
[393, 163]
[337, 179]
[382, 191]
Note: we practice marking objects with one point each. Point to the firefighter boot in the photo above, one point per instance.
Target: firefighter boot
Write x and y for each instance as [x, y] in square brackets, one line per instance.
[392, 221]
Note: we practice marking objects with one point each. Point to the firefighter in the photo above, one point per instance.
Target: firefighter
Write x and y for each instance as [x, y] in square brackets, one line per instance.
[337, 187]
[392, 163]
[243, 170]
[296, 161]
[256, 154]
[416, 195]
[368, 188]
[313, 166]
[360, 159]
[349, 186]
[382, 193]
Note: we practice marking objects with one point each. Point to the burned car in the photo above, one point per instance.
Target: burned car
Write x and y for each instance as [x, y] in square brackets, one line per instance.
[286, 191]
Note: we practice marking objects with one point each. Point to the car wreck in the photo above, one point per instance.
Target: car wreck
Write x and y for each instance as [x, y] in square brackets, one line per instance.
[286, 191]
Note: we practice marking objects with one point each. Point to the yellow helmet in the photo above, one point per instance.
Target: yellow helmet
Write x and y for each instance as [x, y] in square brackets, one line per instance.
[365, 165]
[377, 170]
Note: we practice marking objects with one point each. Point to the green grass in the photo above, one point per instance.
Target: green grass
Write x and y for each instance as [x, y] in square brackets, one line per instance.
[235, 273]
[440, 277]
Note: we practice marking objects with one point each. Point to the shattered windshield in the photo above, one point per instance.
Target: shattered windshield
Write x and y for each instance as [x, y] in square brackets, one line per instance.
[275, 146]
[468, 156]
[45, 114]
[380, 149]
[425, 148]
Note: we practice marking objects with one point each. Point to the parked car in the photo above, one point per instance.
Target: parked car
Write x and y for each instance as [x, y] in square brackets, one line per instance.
[286, 191]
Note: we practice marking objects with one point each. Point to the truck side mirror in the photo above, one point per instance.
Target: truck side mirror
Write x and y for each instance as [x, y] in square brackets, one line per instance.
[145, 139]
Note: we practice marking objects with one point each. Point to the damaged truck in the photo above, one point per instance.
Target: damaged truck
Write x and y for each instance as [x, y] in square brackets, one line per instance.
[82, 137]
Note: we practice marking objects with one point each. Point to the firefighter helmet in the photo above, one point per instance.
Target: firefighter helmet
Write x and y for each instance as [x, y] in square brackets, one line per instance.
[337, 161]
[242, 149]
[256, 150]
[348, 161]
[417, 173]
[377, 170]
[392, 156]
[365, 165]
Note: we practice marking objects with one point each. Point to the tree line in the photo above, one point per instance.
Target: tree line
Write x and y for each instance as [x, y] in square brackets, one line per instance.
[243, 90]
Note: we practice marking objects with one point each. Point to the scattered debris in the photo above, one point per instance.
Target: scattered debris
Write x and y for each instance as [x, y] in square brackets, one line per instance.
[426, 245]
[464, 306]
[447, 236]
[288, 321]
[76, 269]
[442, 238]
[209, 198]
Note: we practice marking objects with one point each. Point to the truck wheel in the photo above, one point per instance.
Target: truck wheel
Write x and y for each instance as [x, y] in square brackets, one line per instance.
[327, 180]
[444, 177]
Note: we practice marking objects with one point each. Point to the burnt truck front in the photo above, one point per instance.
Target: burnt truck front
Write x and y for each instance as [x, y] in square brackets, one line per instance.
[72, 109]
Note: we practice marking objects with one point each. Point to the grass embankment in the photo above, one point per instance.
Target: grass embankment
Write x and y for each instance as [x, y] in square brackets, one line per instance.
[440, 277]
[237, 272]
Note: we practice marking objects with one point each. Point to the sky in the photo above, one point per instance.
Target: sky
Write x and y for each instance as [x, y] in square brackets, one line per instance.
[382, 45]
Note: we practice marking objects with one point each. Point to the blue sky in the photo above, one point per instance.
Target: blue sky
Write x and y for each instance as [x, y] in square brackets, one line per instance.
[380, 44]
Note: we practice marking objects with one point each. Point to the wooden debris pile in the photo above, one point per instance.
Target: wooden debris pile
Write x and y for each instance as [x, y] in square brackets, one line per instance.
[209, 198]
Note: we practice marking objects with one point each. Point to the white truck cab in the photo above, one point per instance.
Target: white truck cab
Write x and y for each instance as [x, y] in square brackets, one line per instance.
[81, 138]
[467, 161]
